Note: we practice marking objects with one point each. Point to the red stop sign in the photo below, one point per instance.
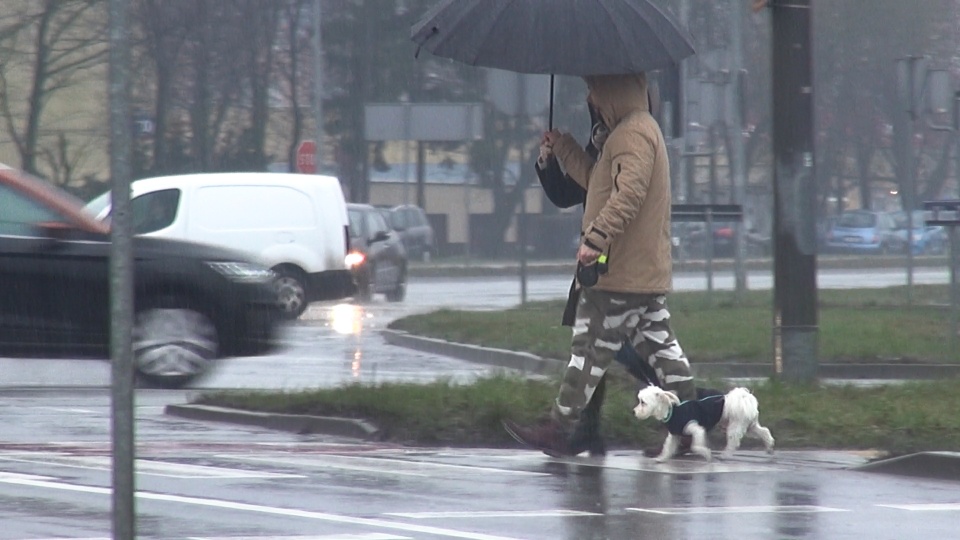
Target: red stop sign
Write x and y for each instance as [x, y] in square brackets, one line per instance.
[307, 157]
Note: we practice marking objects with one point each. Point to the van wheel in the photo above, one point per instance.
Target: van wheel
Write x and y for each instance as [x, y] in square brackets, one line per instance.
[400, 291]
[291, 292]
[173, 344]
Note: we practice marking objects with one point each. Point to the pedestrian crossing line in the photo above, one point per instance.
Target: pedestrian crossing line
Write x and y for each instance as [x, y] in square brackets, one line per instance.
[493, 514]
[381, 465]
[262, 509]
[367, 536]
[642, 464]
[927, 507]
[780, 509]
[142, 466]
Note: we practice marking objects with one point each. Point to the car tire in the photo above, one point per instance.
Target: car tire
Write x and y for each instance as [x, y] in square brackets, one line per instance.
[173, 345]
[291, 292]
[399, 292]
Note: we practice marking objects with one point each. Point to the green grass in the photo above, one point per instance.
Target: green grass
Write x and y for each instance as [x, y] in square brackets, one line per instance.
[870, 325]
[855, 326]
[895, 419]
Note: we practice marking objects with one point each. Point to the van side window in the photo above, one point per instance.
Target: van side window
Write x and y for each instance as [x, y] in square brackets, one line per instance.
[154, 211]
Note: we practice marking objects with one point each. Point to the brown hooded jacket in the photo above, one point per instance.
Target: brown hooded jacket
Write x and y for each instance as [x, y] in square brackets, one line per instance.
[627, 213]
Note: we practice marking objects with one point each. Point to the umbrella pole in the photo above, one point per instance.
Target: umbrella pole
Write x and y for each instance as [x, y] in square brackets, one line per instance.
[550, 118]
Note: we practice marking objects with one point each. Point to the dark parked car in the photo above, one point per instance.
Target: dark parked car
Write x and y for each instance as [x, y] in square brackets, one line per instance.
[377, 257]
[193, 303]
[415, 230]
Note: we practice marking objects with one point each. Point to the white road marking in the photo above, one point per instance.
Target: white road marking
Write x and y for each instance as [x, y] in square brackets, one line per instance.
[369, 536]
[503, 514]
[928, 507]
[18, 476]
[382, 464]
[68, 410]
[640, 463]
[144, 466]
[328, 461]
[795, 509]
[245, 507]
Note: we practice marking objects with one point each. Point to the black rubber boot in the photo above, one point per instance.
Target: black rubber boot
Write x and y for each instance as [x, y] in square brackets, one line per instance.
[586, 437]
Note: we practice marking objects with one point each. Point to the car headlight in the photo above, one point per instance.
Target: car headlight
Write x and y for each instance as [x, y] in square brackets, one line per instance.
[354, 259]
[242, 272]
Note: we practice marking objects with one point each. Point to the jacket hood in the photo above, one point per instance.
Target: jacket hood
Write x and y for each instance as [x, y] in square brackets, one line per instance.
[616, 96]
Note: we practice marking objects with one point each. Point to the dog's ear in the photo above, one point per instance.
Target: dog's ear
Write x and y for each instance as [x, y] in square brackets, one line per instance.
[671, 398]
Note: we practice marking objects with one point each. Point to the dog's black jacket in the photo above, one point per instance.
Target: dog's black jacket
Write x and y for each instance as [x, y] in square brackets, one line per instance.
[706, 411]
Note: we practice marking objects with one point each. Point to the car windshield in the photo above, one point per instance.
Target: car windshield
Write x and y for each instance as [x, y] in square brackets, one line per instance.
[857, 220]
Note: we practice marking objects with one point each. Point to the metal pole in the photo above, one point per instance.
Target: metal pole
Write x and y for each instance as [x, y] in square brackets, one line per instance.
[954, 292]
[121, 277]
[795, 261]
[735, 126]
[709, 240]
[522, 218]
[685, 172]
[318, 82]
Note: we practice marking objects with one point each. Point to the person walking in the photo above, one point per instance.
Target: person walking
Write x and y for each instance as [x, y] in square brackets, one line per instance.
[626, 218]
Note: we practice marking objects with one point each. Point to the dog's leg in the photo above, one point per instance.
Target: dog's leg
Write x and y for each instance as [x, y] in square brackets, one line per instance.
[669, 448]
[699, 435]
[735, 432]
[763, 434]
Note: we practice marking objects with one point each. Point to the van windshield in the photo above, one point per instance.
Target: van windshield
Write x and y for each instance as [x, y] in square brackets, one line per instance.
[99, 207]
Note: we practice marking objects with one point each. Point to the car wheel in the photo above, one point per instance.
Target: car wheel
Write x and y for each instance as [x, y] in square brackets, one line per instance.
[173, 346]
[400, 291]
[291, 292]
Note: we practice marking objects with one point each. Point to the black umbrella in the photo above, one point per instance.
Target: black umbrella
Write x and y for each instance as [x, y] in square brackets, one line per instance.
[556, 37]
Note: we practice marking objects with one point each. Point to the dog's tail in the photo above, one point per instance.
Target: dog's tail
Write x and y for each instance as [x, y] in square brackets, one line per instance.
[741, 403]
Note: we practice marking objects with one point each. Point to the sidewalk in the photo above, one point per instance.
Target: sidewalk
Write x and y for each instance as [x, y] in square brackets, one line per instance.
[931, 465]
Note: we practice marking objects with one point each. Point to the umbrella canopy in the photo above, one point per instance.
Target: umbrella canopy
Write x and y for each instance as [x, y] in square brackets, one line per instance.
[557, 37]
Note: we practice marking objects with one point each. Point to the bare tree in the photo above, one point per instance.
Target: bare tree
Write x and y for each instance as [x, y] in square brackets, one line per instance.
[48, 44]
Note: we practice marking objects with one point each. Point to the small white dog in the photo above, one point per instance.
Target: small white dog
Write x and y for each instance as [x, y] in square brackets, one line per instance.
[737, 412]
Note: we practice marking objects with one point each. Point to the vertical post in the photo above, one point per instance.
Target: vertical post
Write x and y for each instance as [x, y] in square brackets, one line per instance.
[318, 83]
[522, 218]
[709, 241]
[795, 263]
[121, 277]
[909, 69]
[735, 123]
[684, 174]
[954, 292]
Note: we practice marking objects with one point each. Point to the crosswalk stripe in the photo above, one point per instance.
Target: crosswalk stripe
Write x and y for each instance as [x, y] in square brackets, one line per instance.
[788, 509]
[503, 514]
[928, 507]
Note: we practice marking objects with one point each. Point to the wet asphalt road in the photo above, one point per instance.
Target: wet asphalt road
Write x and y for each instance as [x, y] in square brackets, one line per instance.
[209, 480]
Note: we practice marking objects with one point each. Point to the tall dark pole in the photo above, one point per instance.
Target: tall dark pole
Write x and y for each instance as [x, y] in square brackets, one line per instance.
[121, 277]
[794, 190]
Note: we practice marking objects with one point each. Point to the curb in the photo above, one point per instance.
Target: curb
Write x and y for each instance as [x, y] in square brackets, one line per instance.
[937, 465]
[295, 423]
[526, 362]
[533, 364]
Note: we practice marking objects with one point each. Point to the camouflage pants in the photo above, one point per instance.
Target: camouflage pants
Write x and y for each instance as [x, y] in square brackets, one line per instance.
[605, 320]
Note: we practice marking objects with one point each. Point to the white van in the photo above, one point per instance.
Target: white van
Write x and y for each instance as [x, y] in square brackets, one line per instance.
[294, 223]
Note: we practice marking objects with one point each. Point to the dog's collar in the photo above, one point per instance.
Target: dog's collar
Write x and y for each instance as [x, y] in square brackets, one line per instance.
[669, 414]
